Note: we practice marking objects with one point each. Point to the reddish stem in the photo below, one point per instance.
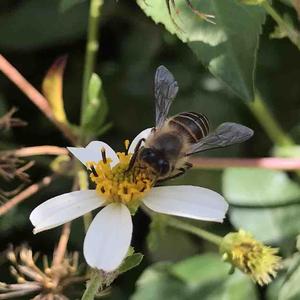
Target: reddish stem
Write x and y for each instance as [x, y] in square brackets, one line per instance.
[274, 163]
[34, 96]
[40, 150]
[25, 194]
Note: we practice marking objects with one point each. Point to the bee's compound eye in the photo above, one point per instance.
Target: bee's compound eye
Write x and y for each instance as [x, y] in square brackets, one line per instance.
[163, 166]
[147, 154]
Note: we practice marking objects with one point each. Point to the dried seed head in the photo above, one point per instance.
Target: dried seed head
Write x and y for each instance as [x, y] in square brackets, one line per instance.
[7, 121]
[49, 281]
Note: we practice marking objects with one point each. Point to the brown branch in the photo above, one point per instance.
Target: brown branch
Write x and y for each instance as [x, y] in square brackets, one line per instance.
[25, 194]
[20, 172]
[265, 162]
[60, 251]
[34, 96]
[62, 245]
[20, 291]
[8, 121]
[39, 150]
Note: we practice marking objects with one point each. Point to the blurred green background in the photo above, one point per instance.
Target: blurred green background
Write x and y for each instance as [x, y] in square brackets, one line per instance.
[34, 33]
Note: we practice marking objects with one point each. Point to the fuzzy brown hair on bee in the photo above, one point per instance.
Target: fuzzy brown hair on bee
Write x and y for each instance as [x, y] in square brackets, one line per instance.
[167, 148]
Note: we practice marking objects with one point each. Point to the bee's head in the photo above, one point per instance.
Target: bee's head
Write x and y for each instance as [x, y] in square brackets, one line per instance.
[156, 160]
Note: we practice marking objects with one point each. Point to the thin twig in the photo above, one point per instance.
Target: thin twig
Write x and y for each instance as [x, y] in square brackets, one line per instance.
[31, 190]
[8, 120]
[60, 251]
[62, 245]
[34, 96]
[273, 163]
[39, 150]
[20, 293]
[21, 172]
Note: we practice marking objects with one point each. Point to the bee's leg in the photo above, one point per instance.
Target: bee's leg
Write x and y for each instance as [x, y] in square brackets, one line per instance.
[188, 165]
[180, 172]
[135, 154]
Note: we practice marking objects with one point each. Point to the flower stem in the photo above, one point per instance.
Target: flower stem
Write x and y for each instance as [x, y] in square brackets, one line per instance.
[84, 184]
[211, 237]
[269, 123]
[93, 286]
[91, 49]
[272, 163]
[292, 34]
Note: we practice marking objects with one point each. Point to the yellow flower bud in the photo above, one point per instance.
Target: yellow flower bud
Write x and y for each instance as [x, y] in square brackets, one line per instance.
[252, 257]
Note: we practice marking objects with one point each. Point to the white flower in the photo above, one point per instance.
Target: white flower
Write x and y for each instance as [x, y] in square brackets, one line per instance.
[108, 238]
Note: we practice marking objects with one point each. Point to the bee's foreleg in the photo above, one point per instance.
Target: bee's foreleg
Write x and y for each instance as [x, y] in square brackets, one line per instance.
[180, 172]
[188, 165]
[135, 154]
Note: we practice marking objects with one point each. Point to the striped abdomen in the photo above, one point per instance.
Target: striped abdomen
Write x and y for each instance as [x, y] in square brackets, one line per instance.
[193, 125]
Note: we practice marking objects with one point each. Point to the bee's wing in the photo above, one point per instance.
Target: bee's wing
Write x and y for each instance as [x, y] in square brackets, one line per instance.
[225, 135]
[165, 90]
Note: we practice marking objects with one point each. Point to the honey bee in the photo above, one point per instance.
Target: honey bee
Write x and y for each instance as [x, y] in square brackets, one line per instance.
[167, 149]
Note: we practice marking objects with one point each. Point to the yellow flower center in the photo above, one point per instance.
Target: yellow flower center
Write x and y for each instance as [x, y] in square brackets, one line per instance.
[251, 256]
[121, 183]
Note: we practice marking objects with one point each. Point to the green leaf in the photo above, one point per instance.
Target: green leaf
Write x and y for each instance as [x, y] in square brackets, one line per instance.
[287, 2]
[52, 87]
[239, 286]
[267, 201]
[273, 288]
[156, 283]
[252, 2]
[228, 48]
[257, 187]
[298, 242]
[202, 277]
[131, 262]
[65, 5]
[201, 269]
[290, 289]
[35, 24]
[162, 241]
[96, 109]
[287, 151]
[267, 224]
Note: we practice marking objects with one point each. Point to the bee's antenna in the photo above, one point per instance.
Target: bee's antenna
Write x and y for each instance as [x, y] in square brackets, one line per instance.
[135, 154]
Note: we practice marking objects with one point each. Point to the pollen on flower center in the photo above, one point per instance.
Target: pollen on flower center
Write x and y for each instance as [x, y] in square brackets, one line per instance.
[251, 256]
[118, 183]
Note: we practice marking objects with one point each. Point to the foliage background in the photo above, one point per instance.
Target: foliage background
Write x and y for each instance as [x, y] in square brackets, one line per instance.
[34, 33]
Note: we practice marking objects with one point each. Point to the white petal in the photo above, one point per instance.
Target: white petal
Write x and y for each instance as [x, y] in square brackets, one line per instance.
[142, 135]
[64, 208]
[92, 152]
[187, 201]
[108, 238]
